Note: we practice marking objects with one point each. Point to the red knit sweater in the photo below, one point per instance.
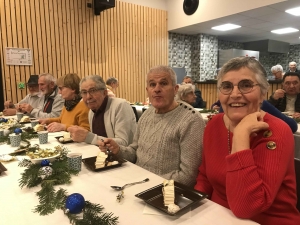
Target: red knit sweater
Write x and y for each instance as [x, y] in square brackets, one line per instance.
[257, 183]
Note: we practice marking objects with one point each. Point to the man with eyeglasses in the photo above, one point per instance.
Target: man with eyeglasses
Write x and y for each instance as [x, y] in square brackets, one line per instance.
[108, 117]
[287, 99]
[33, 98]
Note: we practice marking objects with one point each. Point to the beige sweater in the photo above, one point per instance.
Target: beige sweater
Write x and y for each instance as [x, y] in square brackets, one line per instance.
[169, 145]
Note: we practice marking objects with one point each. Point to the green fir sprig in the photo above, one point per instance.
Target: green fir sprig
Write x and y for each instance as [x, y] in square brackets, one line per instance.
[61, 173]
[49, 201]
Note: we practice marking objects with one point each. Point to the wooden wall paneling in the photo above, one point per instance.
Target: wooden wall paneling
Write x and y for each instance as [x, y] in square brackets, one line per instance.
[57, 44]
[111, 55]
[44, 39]
[134, 64]
[39, 50]
[127, 49]
[77, 33]
[139, 60]
[30, 36]
[26, 69]
[53, 28]
[11, 83]
[20, 70]
[68, 39]
[35, 49]
[122, 53]
[5, 69]
[65, 37]
[61, 33]
[88, 26]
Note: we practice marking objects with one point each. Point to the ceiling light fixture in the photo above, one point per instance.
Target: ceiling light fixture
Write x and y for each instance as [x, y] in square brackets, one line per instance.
[225, 27]
[284, 30]
[294, 11]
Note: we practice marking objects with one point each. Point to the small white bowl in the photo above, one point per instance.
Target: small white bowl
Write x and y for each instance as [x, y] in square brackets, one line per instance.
[39, 160]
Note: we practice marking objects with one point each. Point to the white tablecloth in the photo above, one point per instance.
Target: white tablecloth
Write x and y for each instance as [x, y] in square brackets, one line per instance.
[17, 204]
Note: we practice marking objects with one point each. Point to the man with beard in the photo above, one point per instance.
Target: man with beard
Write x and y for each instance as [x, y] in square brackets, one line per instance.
[50, 103]
[33, 98]
[287, 99]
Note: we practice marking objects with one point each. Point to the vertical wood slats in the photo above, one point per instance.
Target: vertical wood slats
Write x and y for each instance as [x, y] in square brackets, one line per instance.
[210, 93]
[65, 36]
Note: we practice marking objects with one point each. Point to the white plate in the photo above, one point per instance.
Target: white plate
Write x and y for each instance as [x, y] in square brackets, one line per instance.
[286, 113]
[39, 160]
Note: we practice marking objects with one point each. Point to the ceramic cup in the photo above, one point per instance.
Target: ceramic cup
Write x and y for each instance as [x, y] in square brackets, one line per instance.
[15, 140]
[19, 115]
[1, 132]
[34, 123]
[43, 137]
[74, 161]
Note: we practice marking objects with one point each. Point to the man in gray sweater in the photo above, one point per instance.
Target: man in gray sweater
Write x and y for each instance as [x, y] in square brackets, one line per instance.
[168, 140]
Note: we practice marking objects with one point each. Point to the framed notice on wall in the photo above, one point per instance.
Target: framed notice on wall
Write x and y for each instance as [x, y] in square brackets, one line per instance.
[18, 56]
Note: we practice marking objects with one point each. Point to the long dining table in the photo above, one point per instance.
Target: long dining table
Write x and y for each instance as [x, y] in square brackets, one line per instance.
[18, 204]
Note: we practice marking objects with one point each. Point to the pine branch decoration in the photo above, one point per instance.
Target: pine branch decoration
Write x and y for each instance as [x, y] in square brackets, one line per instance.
[49, 201]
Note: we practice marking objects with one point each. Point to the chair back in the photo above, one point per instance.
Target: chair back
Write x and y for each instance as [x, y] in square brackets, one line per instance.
[297, 170]
[135, 113]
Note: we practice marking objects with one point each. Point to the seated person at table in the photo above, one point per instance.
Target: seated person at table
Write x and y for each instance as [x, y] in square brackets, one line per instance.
[186, 94]
[111, 85]
[277, 72]
[248, 165]
[168, 140]
[74, 111]
[33, 98]
[216, 105]
[199, 100]
[51, 101]
[108, 117]
[288, 98]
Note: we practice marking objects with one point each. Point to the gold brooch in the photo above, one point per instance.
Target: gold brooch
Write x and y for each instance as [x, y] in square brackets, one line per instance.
[271, 145]
[267, 133]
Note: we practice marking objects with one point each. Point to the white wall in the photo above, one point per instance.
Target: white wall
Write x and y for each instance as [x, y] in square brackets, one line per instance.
[209, 10]
[157, 4]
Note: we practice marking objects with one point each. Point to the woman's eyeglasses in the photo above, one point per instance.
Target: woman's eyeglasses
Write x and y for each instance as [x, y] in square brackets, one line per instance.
[244, 86]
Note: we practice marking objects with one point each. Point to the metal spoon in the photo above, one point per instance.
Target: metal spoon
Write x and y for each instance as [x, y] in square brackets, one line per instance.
[118, 188]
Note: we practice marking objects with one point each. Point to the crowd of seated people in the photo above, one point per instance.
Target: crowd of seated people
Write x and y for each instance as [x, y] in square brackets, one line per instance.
[235, 164]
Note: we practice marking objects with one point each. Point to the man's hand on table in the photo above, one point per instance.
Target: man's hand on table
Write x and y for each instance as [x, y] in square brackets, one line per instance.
[9, 112]
[26, 108]
[78, 134]
[110, 144]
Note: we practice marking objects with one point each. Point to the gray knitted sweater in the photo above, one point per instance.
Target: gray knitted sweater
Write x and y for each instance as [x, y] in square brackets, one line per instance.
[169, 145]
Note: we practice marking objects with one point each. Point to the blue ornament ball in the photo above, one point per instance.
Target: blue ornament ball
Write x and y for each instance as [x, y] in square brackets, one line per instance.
[75, 203]
[45, 162]
[18, 131]
[5, 120]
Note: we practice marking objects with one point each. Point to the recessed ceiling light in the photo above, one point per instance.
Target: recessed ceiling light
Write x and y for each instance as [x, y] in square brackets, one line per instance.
[284, 30]
[227, 26]
[294, 11]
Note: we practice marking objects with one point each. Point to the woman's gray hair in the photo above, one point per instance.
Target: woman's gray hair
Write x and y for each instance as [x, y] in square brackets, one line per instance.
[111, 80]
[276, 69]
[183, 90]
[250, 63]
[48, 77]
[98, 80]
[164, 69]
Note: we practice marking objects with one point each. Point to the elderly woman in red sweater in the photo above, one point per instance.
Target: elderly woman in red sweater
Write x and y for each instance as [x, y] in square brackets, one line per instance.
[74, 112]
[248, 163]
